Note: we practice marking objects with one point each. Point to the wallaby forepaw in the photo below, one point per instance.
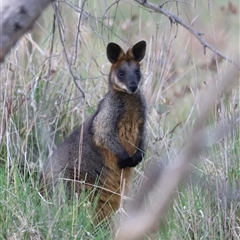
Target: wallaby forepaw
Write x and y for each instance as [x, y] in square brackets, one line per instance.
[136, 158]
[123, 161]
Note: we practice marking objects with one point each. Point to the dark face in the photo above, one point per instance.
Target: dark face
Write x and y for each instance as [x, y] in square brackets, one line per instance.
[126, 77]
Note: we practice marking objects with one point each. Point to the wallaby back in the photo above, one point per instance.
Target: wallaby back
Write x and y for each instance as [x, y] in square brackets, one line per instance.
[107, 146]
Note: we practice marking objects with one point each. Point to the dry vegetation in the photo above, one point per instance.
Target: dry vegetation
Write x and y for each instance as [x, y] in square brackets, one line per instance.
[53, 79]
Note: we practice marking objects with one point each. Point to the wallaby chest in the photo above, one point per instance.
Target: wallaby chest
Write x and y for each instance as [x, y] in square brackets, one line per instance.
[131, 122]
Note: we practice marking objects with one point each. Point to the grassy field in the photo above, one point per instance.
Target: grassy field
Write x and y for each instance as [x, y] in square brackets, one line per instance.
[41, 105]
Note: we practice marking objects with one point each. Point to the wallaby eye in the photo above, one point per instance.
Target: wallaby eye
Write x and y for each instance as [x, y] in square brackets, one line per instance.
[120, 73]
[138, 73]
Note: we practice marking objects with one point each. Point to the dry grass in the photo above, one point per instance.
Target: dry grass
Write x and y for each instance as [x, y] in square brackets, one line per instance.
[41, 105]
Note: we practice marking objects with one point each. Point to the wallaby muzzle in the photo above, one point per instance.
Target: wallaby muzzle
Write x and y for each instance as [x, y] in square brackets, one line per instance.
[133, 87]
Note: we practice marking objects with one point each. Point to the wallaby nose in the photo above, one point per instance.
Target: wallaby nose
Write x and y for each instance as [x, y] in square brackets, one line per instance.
[133, 87]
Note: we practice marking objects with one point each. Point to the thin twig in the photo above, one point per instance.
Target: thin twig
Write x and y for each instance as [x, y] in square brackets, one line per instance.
[175, 19]
[65, 51]
[77, 35]
[52, 43]
[170, 132]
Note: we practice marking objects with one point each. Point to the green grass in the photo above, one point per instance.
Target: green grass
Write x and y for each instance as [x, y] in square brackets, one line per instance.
[38, 111]
[25, 215]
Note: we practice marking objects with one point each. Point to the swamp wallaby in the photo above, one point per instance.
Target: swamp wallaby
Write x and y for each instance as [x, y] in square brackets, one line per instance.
[106, 147]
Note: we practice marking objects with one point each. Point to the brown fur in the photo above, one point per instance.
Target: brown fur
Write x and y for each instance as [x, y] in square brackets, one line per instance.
[107, 146]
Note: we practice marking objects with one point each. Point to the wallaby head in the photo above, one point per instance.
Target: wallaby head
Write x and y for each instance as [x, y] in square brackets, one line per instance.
[125, 74]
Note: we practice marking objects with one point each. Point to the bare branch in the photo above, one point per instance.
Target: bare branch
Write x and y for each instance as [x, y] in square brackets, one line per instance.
[175, 19]
[16, 18]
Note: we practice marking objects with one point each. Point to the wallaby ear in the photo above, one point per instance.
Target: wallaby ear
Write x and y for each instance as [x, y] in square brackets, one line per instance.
[114, 52]
[138, 51]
